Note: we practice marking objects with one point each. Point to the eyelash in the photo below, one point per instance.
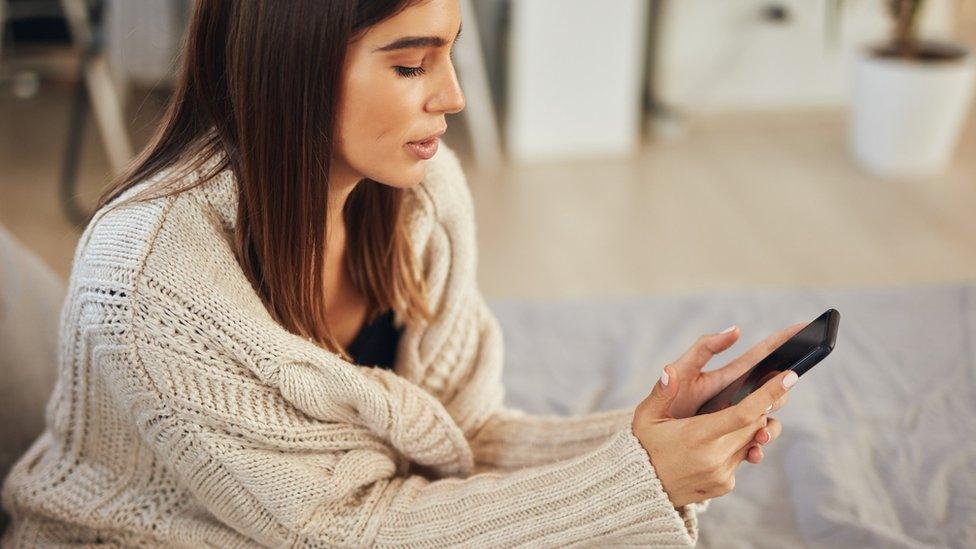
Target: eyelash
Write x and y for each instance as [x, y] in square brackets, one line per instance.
[412, 72]
[409, 72]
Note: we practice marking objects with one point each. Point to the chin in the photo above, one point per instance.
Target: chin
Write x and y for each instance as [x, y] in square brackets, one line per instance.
[404, 172]
[414, 174]
[406, 180]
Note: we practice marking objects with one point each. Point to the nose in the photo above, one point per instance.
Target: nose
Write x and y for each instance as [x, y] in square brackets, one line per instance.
[449, 98]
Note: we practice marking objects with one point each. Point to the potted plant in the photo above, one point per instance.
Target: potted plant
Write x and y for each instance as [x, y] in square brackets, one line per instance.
[910, 99]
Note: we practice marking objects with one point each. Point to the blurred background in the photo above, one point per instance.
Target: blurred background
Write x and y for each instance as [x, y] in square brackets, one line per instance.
[643, 172]
[622, 147]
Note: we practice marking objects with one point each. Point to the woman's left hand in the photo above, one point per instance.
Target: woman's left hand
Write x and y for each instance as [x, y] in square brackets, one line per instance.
[698, 386]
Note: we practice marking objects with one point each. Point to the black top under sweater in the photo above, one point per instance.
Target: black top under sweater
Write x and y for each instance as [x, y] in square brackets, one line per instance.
[376, 343]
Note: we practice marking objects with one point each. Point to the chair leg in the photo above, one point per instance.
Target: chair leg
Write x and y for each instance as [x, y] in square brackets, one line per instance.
[106, 102]
[67, 194]
[108, 112]
[95, 84]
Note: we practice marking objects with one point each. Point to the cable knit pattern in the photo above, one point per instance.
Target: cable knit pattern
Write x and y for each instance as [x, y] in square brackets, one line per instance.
[184, 415]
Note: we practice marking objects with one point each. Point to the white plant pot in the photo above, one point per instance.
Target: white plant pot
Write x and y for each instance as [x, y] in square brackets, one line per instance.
[906, 116]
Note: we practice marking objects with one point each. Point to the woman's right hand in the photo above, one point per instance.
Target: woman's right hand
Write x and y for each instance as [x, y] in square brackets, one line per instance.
[696, 457]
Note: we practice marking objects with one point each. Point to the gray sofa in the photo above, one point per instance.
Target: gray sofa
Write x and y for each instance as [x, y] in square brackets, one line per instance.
[878, 445]
[31, 295]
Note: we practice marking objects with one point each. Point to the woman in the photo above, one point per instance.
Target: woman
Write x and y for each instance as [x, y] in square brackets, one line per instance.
[273, 334]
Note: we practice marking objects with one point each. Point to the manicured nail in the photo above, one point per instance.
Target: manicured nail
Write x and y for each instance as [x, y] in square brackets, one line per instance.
[767, 436]
[664, 378]
[790, 379]
[727, 330]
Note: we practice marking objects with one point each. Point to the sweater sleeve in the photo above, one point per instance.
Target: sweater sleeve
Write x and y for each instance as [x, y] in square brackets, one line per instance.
[512, 438]
[342, 486]
[610, 494]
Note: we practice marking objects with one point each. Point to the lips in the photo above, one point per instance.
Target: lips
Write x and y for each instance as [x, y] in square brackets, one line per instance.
[426, 148]
[423, 150]
[430, 137]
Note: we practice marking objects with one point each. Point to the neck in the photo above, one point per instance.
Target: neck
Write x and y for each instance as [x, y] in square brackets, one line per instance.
[342, 181]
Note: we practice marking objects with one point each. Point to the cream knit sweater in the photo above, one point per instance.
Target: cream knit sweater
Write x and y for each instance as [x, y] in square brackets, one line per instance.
[185, 416]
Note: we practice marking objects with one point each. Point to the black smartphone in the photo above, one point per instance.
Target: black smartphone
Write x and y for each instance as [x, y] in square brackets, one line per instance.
[800, 353]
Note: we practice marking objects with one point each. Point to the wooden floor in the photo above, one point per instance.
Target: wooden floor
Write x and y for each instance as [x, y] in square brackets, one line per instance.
[740, 201]
[745, 200]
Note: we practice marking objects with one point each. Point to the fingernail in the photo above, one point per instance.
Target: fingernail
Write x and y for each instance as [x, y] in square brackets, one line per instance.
[727, 330]
[790, 379]
[664, 378]
[770, 407]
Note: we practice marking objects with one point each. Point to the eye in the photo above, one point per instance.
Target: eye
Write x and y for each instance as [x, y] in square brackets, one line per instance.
[409, 72]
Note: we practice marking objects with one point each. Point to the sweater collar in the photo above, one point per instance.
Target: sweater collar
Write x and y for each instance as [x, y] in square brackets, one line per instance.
[221, 191]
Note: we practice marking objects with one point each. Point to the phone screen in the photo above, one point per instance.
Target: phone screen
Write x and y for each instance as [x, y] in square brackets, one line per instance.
[800, 353]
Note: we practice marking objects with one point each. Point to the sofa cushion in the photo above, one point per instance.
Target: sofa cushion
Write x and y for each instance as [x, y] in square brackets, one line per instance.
[31, 295]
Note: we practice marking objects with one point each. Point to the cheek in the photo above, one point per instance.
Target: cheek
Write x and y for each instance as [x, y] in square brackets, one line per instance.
[375, 124]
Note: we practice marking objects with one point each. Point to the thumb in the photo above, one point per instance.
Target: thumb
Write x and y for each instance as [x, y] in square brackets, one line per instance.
[657, 404]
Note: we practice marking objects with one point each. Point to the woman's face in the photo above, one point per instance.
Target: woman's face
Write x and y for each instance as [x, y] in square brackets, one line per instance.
[393, 95]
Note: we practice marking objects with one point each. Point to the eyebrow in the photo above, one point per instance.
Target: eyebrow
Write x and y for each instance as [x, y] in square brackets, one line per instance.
[417, 42]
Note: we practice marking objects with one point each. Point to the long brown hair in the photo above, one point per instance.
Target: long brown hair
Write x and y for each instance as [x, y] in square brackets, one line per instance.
[260, 82]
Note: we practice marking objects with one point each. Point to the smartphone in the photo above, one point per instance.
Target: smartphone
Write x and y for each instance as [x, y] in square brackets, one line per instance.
[800, 353]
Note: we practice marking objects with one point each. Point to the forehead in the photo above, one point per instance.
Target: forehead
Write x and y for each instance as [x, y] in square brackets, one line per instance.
[431, 18]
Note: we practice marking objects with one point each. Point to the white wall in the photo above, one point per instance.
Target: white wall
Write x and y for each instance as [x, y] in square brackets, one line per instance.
[574, 78]
[721, 55]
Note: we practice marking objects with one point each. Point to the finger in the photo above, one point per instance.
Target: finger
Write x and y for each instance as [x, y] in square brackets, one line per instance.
[770, 432]
[740, 421]
[780, 402]
[765, 435]
[762, 400]
[762, 436]
[755, 454]
[707, 346]
[658, 403]
[739, 456]
[731, 371]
